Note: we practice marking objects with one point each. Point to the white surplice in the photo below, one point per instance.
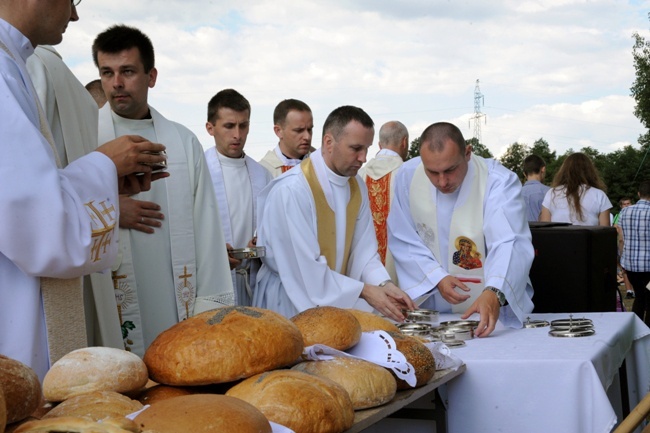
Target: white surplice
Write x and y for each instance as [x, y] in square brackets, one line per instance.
[384, 163]
[294, 275]
[507, 239]
[190, 240]
[274, 161]
[72, 115]
[237, 183]
[46, 213]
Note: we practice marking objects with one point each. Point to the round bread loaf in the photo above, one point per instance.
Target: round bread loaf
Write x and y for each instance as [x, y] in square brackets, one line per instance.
[203, 413]
[94, 369]
[373, 322]
[96, 405]
[21, 389]
[368, 384]
[418, 355]
[3, 411]
[223, 345]
[300, 401]
[78, 425]
[331, 326]
[161, 392]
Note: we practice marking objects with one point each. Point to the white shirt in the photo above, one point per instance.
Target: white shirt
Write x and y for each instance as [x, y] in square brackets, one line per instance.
[593, 201]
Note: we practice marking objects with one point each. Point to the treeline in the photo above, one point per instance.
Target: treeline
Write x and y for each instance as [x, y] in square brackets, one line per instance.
[621, 170]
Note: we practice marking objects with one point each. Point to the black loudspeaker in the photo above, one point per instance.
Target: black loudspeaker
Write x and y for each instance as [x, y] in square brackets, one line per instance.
[574, 269]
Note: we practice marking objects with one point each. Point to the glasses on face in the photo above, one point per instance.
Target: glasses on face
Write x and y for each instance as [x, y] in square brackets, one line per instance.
[75, 3]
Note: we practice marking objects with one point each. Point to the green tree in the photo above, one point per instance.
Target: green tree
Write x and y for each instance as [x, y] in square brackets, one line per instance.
[542, 149]
[479, 148]
[414, 149]
[641, 87]
[513, 158]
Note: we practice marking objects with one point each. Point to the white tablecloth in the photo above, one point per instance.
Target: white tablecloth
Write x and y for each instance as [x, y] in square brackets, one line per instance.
[523, 380]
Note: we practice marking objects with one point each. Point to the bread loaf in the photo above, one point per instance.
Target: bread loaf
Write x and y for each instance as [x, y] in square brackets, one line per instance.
[368, 384]
[331, 326]
[300, 401]
[223, 345]
[203, 413]
[3, 411]
[94, 369]
[96, 405]
[78, 425]
[161, 392]
[373, 322]
[418, 355]
[21, 389]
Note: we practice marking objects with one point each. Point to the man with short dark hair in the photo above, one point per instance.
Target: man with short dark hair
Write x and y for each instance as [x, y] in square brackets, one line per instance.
[318, 232]
[237, 180]
[379, 176]
[457, 229]
[173, 263]
[534, 190]
[293, 124]
[635, 232]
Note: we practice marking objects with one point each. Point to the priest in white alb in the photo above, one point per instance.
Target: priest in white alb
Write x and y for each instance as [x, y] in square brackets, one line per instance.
[315, 223]
[180, 268]
[379, 176]
[458, 230]
[237, 180]
[57, 223]
[293, 124]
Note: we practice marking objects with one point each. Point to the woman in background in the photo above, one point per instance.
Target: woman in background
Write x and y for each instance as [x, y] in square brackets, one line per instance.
[577, 195]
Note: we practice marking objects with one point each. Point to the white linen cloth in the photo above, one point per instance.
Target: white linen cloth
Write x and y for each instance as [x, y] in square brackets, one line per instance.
[507, 239]
[523, 380]
[294, 276]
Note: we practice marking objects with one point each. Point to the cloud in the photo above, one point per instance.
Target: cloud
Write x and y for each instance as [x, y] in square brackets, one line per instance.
[557, 69]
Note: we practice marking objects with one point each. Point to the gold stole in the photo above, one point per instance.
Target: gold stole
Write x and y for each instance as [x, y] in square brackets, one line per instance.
[62, 297]
[326, 219]
[379, 193]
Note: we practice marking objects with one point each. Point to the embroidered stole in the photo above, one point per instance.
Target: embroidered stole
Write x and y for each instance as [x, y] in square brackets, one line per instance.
[379, 193]
[326, 220]
[466, 246]
[181, 228]
[62, 297]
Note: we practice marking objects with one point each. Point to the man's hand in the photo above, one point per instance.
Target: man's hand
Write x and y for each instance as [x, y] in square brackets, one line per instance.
[447, 287]
[133, 156]
[233, 261]
[139, 215]
[389, 300]
[488, 307]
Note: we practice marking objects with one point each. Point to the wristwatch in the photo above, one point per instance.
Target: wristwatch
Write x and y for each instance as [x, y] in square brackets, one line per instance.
[383, 283]
[500, 296]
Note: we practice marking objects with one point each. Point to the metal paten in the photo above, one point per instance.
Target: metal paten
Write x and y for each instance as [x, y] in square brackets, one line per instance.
[429, 317]
[572, 327]
[247, 253]
[535, 323]
[470, 323]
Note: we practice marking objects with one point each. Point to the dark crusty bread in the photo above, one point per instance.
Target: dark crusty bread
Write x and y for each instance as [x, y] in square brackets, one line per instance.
[300, 401]
[21, 389]
[373, 322]
[331, 326]
[223, 345]
[418, 355]
[368, 384]
[94, 369]
[203, 413]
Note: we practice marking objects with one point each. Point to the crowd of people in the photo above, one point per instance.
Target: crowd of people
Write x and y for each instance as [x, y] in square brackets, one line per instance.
[447, 230]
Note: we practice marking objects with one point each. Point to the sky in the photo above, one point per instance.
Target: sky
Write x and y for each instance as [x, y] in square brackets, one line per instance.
[560, 70]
